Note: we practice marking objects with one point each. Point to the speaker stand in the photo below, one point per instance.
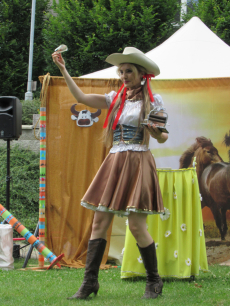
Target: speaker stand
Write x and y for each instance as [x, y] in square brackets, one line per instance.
[31, 248]
[8, 177]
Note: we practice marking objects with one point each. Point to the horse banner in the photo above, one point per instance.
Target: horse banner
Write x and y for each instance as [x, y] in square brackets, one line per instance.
[199, 128]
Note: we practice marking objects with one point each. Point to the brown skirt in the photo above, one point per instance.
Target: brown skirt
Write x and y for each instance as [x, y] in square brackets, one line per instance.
[126, 181]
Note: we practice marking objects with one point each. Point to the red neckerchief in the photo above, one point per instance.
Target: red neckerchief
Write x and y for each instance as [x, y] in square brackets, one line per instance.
[135, 94]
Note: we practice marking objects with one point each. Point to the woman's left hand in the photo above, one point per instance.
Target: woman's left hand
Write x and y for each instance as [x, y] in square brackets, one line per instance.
[156, 133]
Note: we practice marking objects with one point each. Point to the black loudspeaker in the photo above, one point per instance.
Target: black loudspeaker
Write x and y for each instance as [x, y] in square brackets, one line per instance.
[10, 118]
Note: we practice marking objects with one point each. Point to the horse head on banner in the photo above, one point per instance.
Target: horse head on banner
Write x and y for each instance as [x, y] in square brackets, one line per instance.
[213, 177]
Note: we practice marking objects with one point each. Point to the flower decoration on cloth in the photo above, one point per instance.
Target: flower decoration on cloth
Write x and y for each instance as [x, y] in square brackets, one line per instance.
[156, 245]
[176, 254]
[122, 252]
[183, 227]
[167, 233]
[188, 262]
[140, 259]
[165, 215]
[194, 162]
[127, 222]
[200, 232]
[201, 197]
[174, 195]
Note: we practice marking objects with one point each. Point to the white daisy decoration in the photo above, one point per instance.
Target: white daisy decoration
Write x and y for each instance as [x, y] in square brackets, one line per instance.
[183, 227]
[174, 195]
[140, 259]
[167, 233]
[127, 222]
[200, 232]
[188, 262]
[156, 245]
[122, 252]
[201, 197]
[175, 254]
[165, 215]
[194, 162]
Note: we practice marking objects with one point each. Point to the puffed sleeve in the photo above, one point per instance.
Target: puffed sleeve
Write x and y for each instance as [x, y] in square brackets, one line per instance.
[109, 97]
[158, 103]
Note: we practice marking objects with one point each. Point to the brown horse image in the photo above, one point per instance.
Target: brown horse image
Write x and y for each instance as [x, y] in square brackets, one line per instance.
[213, 177]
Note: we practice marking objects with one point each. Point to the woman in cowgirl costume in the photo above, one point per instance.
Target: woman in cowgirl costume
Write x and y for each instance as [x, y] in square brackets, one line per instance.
[127, 182]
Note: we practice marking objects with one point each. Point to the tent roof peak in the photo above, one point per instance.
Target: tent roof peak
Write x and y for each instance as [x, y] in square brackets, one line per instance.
[192, 52]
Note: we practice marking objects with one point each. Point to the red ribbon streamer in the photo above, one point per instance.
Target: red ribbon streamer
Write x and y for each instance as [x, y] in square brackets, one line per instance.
[120, 109]
[111, 107]
[148, 77]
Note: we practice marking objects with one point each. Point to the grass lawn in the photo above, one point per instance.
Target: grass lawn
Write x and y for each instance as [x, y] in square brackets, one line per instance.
[28, 288]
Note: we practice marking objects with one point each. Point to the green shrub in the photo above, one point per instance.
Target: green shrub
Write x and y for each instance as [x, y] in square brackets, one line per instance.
[214, 13]
[94, 29]
[24, 187]
[28, 109]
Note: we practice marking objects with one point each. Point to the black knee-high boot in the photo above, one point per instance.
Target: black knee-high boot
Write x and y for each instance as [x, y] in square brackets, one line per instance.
[96, 248]
[154, 283]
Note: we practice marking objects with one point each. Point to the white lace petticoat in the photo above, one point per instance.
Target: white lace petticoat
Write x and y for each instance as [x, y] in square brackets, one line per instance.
[121, 147]
[120, 213]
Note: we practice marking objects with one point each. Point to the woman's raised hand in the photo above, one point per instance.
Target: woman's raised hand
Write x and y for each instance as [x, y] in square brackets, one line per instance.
[58, 60]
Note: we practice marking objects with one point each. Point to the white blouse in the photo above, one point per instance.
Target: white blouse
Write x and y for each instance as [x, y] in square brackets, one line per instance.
[130, 116]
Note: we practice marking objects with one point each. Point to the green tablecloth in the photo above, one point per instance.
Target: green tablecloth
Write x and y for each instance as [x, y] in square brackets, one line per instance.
[179, 234]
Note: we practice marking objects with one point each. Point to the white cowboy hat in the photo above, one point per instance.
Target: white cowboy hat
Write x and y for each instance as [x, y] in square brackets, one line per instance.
[132, 55]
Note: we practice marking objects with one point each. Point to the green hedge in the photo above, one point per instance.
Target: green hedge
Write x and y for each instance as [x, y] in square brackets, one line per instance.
[28, 109]
[24, 187]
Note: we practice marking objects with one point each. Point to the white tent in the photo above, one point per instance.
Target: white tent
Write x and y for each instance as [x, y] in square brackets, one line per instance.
[194, 51]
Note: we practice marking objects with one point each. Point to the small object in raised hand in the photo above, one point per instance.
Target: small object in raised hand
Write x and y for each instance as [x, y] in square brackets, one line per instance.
[61, 48]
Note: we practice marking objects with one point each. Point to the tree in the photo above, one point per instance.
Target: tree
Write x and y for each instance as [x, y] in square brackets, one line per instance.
[215, 14]
[15, 17]
[93, 29]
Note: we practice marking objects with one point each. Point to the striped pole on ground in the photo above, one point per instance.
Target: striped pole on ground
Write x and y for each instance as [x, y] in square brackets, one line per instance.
[42, 186]
[23, 231]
